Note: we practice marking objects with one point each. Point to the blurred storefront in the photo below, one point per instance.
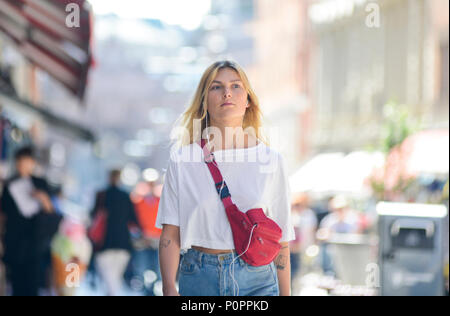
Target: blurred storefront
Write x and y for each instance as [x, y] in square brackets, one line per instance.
[54, 35]
[280, 74]
[361, 65]
[37, 41]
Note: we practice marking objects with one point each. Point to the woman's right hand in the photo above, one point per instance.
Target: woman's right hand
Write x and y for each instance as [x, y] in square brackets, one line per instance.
[171, 292]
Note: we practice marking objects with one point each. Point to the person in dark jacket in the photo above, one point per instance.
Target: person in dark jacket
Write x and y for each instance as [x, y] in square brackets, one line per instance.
[30, 224]
[113, 256]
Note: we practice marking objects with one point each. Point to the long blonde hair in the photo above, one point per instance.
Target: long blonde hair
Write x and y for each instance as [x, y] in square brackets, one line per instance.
[198, 106]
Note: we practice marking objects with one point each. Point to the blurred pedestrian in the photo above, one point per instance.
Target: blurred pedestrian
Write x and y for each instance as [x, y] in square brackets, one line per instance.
[341, 220]
[30, 225]
[71, 253]
[71, 249]
[114, 254]
[145, 259]
[305, 225]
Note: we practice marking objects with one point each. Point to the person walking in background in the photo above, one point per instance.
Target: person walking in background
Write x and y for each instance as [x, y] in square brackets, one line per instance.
[30, 225]
[71, 249]
[114, 254]
[305, 224]
[145, 258]
[341, 220]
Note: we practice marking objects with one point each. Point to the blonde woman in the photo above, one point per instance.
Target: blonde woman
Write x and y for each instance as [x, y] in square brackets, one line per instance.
[225, 113]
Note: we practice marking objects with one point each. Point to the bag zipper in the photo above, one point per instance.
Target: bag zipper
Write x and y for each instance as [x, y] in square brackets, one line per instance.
[266, 232]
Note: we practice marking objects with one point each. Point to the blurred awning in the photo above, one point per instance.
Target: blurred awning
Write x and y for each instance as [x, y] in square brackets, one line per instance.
[333, 173]
[314, 175]
[39, 30]
[10, 101]
[426, 152]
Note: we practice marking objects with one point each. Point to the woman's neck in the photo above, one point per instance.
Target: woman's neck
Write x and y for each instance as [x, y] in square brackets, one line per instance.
[232, 138]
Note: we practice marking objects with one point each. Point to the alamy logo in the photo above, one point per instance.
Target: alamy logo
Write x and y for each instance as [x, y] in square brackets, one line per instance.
[73, 17]
[373, 275]
[373, 19]
[73, 277]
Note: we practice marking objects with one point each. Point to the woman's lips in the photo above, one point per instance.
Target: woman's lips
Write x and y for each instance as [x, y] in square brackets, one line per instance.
[227, 103]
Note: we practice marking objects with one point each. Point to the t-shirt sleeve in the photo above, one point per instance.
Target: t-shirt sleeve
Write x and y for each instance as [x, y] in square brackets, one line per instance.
[281, 205]
[168, 208]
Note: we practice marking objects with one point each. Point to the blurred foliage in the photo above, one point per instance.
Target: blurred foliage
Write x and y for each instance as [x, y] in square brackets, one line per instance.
[381, 193]
[397, 126]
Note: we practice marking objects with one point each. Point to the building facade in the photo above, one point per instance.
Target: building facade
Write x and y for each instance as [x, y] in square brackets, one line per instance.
[280, 74]
[371, 53]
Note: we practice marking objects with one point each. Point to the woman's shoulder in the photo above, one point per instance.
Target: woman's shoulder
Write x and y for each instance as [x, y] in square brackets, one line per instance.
[273, 152]
[185, 153]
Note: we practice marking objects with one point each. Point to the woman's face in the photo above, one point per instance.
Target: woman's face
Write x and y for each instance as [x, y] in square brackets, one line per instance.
[227, 98]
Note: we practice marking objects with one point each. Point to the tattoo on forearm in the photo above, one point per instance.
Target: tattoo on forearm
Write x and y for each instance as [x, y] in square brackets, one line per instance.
[165, 243]
[281, 262]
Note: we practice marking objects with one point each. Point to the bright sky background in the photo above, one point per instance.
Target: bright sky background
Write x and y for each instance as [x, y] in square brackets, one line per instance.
[187, 14]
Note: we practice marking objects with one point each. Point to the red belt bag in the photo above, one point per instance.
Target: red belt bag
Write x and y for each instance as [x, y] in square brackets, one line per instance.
[256, 237]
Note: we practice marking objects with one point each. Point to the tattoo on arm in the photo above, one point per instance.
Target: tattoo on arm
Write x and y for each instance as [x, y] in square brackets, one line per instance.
[281, 262]
[165, 242]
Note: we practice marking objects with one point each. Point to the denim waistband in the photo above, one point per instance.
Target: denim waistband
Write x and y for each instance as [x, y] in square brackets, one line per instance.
[213, 259]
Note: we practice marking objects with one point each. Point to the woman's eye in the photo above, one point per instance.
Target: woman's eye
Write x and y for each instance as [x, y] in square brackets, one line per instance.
[215, 87]
[236, 86]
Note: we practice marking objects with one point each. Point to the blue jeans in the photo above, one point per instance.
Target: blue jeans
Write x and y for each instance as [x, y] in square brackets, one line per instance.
[204, 274]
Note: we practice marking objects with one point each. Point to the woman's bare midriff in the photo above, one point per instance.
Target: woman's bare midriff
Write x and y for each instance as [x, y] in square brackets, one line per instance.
[212, 251]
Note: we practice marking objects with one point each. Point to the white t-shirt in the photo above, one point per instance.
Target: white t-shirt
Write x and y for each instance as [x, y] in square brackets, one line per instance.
[256, 177]
[21, 190]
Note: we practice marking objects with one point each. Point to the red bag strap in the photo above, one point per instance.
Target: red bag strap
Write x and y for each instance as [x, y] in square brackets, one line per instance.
[221, 185]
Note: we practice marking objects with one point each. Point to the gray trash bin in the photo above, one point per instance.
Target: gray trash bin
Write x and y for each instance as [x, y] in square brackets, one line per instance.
[411, 249]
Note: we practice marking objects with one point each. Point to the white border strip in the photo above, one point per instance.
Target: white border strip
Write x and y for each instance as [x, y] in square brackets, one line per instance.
[411, 209]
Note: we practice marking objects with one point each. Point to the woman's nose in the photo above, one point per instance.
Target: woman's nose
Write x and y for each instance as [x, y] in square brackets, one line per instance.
[227, 93]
